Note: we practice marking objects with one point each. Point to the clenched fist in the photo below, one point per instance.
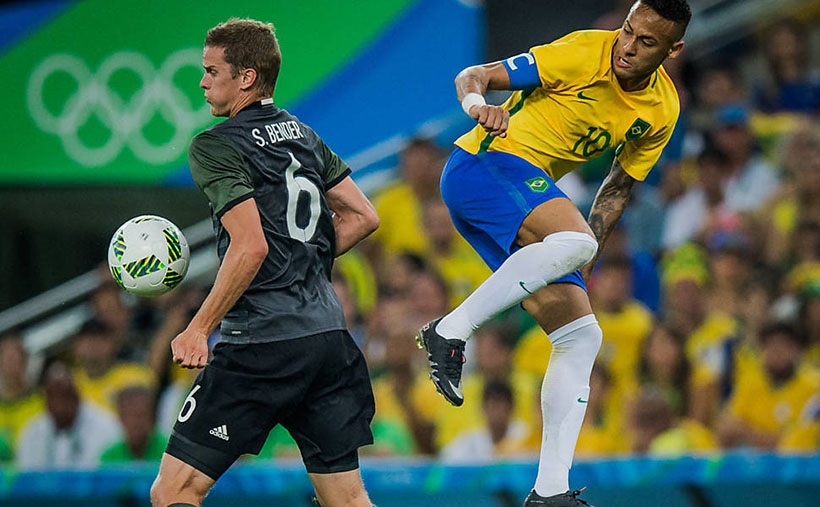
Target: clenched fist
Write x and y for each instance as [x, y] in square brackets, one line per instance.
[494, 119]
[190, 349]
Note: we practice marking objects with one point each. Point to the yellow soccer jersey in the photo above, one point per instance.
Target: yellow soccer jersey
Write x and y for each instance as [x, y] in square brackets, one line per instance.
[579, 110]
[624, 334]
[401, 227]
[104, 390]
[772, 408]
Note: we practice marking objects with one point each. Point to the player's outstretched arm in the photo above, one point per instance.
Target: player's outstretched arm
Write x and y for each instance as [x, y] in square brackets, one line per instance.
[353, 216]
[245, 254]
[609, 205]
[471, 85]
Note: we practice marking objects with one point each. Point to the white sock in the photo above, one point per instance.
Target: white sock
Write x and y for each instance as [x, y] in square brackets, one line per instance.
[524, 272]
[564, 394]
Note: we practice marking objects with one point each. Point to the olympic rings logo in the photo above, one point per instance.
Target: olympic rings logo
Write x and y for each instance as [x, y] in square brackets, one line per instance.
[125, 120]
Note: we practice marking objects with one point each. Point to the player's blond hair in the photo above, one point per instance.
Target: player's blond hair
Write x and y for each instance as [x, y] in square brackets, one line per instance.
[249, 44]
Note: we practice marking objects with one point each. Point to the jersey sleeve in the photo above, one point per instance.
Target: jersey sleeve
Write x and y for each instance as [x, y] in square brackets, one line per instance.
[335, 168]
[563, 62]
[219, 171]
[639, 156]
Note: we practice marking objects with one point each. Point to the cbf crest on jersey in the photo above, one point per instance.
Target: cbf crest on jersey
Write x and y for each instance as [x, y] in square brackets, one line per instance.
[639, 128]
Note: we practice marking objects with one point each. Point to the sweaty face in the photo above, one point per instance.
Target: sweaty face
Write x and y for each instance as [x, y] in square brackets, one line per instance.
[221, 88]
[645, 41]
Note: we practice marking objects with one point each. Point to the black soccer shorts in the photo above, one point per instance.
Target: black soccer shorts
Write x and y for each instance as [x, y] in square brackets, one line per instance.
[317, 387]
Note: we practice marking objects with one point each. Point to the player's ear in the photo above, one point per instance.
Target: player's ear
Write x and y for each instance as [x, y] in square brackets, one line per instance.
[248, 77]
[676, 49]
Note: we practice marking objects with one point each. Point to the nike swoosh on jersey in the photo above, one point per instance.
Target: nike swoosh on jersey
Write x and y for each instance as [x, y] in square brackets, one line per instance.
[582, 401]
[584, 97]
[525, 289]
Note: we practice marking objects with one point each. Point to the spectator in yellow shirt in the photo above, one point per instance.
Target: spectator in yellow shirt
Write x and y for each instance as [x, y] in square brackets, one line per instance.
[98, 374]
[800, 200]
[810, 322]
[459, 265]
[503, 435]
[653, 429]
[768, 398]
[603, 428]
[664, 365]
[399, 426]
[624, 321]
[709, 337]
[493, 359]
[806, 262]
[399, 205]
[805, 435]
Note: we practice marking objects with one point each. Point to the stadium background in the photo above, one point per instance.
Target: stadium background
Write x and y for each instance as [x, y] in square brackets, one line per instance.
[701, 402]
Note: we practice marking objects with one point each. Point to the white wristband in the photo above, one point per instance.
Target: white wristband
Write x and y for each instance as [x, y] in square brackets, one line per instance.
[470, 100]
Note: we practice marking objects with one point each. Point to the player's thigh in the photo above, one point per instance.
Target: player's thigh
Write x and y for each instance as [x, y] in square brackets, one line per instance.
[340, 489]
[178, 482]
[557, 305]
[556, 215]
[237, 399]
[333, 419]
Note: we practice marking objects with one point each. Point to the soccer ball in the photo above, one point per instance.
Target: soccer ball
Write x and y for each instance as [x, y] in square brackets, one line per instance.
[148, 256]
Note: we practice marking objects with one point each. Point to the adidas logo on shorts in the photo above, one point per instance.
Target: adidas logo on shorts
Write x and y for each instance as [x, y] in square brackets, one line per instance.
[221, 432]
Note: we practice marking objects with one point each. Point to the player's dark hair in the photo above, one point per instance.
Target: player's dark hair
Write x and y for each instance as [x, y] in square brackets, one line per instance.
[677, 11]
[249, 44]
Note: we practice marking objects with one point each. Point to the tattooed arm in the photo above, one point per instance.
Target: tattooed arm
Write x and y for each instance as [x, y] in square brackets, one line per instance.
[609, 205]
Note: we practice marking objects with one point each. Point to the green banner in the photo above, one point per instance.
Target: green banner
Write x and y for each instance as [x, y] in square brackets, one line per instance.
[108, 92]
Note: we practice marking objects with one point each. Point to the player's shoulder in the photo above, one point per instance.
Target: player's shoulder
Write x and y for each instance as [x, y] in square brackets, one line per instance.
[667, 92]
[307, 130]
[583, 41]
[209, 140]
[593, 38]
[578, 56]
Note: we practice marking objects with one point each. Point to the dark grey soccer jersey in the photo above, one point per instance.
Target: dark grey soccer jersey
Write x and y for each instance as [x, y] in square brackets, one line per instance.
[265, 153]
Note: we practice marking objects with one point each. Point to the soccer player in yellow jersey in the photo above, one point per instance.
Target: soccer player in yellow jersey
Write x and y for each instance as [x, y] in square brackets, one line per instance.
[573, 99]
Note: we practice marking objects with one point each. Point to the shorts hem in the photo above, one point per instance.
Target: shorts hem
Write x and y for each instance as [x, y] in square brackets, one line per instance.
[183, 448]
[345, 464]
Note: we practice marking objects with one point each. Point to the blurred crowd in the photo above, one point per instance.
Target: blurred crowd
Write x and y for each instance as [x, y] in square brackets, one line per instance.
[708, 294]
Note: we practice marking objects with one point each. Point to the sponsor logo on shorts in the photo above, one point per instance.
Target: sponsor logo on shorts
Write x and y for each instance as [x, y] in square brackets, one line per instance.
[220, 432]
[538, 184]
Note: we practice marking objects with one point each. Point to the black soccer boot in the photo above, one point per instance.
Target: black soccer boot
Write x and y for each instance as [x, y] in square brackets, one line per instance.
[568, 499]
[446, 359]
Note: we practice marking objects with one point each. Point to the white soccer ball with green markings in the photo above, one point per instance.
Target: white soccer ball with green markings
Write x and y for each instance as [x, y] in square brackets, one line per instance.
[148, 256]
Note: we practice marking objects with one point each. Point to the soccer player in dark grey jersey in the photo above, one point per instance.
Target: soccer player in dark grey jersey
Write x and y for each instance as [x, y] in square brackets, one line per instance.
[283, 206]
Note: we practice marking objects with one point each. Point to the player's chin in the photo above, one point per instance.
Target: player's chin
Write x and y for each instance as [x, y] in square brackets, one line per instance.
[621, 73]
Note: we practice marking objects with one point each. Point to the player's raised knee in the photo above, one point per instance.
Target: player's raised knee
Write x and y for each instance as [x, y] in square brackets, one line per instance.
[580, 247]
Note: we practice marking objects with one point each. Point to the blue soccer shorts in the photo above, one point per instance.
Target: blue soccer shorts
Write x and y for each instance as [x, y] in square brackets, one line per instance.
[489, 195]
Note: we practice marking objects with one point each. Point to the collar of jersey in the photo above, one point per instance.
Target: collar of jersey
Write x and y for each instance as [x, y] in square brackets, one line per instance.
[259, 104]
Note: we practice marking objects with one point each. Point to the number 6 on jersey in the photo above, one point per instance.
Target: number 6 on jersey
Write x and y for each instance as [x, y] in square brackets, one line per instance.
[296, 185]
